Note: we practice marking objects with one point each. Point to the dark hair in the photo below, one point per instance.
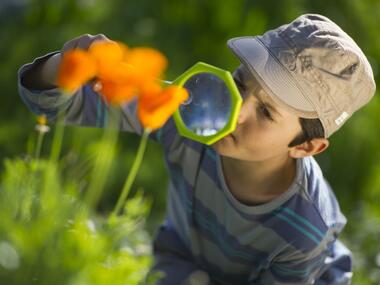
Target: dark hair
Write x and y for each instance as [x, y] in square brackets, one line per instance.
[311, 128]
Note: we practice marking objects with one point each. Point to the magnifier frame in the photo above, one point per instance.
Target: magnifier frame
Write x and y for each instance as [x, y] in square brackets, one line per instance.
[236, 101]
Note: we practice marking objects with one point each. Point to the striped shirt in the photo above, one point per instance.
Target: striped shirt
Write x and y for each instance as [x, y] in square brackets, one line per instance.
[289, 240]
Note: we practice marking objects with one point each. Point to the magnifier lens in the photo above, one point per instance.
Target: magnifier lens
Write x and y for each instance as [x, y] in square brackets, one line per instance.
[208, 108]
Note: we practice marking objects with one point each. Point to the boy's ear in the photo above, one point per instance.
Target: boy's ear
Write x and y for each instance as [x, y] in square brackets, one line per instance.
[313, 147]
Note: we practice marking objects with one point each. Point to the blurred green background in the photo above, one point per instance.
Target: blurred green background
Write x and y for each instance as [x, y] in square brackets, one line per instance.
[189, 31]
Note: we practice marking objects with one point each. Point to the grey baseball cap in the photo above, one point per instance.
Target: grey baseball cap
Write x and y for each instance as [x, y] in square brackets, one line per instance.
[311, 67]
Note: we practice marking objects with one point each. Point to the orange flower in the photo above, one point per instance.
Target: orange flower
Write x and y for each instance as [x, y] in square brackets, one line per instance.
[109, 57]
[122, 73]
[116, 94]
[151, 88]
[155, 109]
[118, 86]
[105, 51]
[146, 62]
[77, 68]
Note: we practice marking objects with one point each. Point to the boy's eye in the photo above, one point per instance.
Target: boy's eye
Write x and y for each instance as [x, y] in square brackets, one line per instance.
[264, 111]
[239, 85]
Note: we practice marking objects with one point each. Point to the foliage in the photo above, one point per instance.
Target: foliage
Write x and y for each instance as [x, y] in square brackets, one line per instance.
[50, 233]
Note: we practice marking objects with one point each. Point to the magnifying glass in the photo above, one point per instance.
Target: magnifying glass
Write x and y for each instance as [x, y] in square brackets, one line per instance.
[212, 108]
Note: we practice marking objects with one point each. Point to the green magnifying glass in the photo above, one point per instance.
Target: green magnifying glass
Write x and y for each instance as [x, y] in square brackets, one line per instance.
[212, 108]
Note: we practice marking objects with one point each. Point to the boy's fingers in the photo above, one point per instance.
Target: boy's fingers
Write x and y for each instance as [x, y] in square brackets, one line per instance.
[83, 42]
[72, 44]
[100, 38]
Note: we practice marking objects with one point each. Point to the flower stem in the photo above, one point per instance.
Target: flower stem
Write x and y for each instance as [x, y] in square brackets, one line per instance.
[103, 161]
[39, 145]
[132, 174]
[58, 137]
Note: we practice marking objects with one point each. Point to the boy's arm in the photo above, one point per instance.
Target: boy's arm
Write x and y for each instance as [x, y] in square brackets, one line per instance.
[297, 271]
[320, 267]
[37, 88]
[42, 75]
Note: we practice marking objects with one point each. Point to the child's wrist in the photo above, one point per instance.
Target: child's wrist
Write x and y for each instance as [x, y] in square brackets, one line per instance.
[43, 73]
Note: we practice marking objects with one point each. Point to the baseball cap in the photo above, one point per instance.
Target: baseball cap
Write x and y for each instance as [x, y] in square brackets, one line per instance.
[311, 67]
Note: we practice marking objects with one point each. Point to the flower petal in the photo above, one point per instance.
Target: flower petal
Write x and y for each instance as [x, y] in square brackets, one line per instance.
[108, 54]
[147, 62]
[155, 109]
[76, 68]
[114, 93]
[108, 51]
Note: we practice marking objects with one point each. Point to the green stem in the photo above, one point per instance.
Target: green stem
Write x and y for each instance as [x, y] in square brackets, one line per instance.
[58, 137]
[103, 161]
[132, 174]
[39, 144]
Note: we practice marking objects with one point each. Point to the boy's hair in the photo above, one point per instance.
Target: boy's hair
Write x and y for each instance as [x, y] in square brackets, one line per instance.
[311, 128]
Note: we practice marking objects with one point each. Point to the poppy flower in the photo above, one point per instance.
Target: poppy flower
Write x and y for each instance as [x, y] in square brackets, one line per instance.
[116, 94]
[146, 62]
[155, 109]
[123, 73]
[76, 68]
[109, 57]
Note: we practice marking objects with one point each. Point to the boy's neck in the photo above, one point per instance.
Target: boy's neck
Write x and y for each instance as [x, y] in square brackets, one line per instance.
[257, 182]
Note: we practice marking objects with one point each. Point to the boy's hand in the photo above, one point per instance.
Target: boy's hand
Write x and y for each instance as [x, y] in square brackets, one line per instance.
[83, 42]
[43, 75]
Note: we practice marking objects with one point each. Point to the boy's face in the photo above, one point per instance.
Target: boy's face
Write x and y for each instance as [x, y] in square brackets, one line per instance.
[264, 129]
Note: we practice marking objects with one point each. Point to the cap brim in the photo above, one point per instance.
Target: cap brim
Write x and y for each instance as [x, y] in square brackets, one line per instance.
[275, 79]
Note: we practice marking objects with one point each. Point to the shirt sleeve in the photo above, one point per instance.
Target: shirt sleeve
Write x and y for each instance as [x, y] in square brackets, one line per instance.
[337, 267]
[301, 270]
[322, 266]
[85, 107]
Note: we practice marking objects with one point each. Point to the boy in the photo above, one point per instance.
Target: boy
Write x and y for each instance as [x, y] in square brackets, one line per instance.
[254, 208]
